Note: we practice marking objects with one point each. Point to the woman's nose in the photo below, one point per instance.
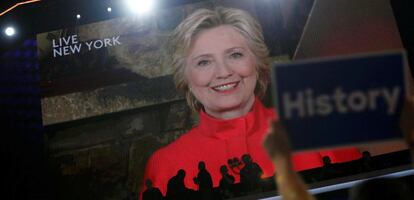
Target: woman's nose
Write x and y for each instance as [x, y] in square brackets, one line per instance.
[223, 70]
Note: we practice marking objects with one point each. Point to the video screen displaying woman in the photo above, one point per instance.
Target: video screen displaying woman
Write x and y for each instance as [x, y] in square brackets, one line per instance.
[176, 101]
[222, 68]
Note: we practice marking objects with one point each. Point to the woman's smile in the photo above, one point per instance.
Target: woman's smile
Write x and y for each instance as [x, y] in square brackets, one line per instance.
[227, 87]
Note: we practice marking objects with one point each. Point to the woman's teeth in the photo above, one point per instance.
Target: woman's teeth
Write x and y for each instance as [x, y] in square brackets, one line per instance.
[225, 87]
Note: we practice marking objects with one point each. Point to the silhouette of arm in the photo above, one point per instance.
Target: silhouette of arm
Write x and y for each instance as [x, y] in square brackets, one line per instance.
[196, 180]
[230, 179]
[289, 183]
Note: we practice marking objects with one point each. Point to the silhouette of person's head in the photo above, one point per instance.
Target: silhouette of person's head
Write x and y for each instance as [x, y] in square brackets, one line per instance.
[201, 165]
[230, 162]
[236, 161]
[181, 174]
[246, 159]
[148, 183]
[223, 169]
[366, 155]
[326, 160]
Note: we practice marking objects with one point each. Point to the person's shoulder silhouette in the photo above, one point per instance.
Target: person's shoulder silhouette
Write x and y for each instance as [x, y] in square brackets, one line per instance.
[204, 182]
[226, 178]
[203, 179]
[151, 193]
[175, 187]
[251, 170]
[226, 186]
[250, 174]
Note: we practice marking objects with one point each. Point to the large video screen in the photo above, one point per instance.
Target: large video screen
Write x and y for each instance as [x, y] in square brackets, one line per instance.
[120, 120]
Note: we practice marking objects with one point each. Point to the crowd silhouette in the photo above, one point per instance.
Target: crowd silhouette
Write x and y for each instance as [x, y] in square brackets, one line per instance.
[151, 192]
[226, 188]
[204, 182]
[250, 174]
[176, 188]
[252, 183]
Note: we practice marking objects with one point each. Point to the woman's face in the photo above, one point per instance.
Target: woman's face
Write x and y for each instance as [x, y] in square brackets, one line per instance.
[221, 72]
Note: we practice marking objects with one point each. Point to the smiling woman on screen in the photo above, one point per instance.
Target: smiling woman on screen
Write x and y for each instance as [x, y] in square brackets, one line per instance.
[221, 67]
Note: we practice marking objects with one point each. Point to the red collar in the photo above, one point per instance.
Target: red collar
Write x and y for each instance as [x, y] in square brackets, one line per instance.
[236, 127]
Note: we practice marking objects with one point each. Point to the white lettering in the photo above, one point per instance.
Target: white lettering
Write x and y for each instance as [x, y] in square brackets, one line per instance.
[66, 41]
[115, 40]
[107, 42]
[98, 46]
[307, 104]
[391, 99]
[357, 101]
[75, 48]
[290, 105]
[57, 52]
[74, 39]
[323, 106]
[66, 50]
[89, 44]
[339, 99]
[56, 45]
[373, 95]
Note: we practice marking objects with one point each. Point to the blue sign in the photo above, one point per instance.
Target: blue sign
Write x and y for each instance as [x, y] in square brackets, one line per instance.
[342, 100]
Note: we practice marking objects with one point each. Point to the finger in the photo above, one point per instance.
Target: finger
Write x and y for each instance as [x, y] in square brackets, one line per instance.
[276, 143]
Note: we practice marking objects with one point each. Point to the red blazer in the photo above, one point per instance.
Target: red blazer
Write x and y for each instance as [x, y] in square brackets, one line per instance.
[214, 141]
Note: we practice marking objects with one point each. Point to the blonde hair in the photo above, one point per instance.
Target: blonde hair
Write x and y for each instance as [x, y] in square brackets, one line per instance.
[202, 19]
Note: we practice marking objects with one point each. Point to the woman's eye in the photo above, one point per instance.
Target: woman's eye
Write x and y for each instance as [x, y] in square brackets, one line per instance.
[236, 55]
[203, 63]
